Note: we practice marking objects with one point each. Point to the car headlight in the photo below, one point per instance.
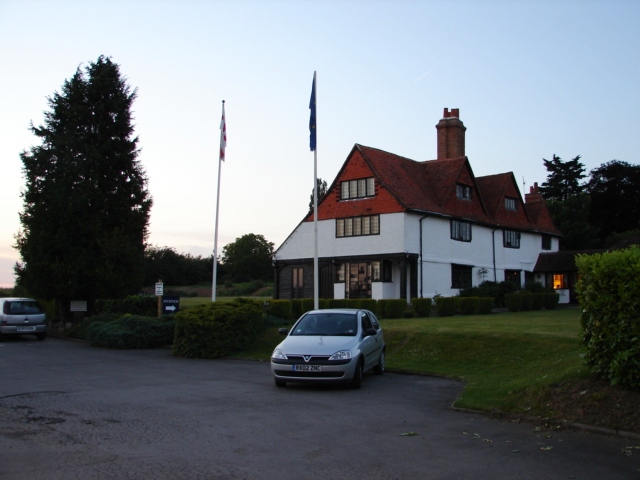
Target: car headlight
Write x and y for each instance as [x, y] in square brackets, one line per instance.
[341, 355]
[278, 354]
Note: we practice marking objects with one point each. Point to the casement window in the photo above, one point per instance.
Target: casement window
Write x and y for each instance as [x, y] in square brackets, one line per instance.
[460, 231]
[546, 242]
[297, 282]
[461, 276]
[340, 273]
[361, 188]
[464, 192]
[357, 226]
[381, 271]
[510, 203]
[511, 238]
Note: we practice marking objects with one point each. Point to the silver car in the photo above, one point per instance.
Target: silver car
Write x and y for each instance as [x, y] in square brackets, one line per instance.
[336, 345]
[22, 316]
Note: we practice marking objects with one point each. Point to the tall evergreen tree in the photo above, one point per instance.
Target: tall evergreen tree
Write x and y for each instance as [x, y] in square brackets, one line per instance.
[85, 203]
[563, 179]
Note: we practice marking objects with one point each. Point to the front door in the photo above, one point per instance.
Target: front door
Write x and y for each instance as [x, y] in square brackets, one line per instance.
[359, 282]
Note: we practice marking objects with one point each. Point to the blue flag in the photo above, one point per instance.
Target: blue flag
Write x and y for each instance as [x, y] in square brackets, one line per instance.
[312, 118]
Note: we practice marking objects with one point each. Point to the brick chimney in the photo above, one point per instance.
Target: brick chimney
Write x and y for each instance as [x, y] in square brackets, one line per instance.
[534, 194]
[450, 135]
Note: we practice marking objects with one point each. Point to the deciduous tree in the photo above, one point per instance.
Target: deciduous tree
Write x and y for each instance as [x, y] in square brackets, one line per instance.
[248, 258]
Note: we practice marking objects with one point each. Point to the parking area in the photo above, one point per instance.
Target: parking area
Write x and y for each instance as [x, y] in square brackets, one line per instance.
[70, 411]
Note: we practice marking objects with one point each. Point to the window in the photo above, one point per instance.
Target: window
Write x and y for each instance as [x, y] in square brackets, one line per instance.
[460, 231]
[357, 226]
[512, 276]
[340, 273]
[297, 283]
[546, 242]
[510, 203]
[511, 239]
[381, 271]
[558, 281]
[461, 276]
[463, 191]
[361, 188]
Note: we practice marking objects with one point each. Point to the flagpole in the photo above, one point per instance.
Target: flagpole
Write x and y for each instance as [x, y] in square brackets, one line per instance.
[223, 143]
[316, 300]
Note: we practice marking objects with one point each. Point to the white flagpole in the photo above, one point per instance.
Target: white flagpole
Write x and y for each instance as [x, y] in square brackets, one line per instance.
[316, 273]
[223, 144]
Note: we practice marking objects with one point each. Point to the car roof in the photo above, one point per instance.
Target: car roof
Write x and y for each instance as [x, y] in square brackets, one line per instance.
[337, 310]
[15, 299]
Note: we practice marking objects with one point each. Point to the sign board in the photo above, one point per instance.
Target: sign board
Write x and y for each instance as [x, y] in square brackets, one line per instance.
[78, 306]
[170, 304]
[159, 289]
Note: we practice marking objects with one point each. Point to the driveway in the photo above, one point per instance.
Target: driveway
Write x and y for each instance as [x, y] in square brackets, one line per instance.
[71, 411]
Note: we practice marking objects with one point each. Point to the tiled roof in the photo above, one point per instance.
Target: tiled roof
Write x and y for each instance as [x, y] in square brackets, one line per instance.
[430, 187]
[559, 262]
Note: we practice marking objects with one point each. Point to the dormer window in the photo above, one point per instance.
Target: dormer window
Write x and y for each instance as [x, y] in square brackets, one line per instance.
[464, 192]
[361, 188]
[510, 203]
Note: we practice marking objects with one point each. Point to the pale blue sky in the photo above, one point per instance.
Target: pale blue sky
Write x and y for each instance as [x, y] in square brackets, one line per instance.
[531, 79]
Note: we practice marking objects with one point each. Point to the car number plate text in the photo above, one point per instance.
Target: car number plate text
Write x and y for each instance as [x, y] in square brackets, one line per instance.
[307, 368]
[26, 329]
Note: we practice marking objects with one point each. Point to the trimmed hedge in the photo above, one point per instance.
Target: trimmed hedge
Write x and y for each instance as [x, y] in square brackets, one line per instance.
[145, 305]
[609, 294]
[446, 306]
[513, 302]
[132, 331]
[391, 308]
[280, 309]
[421, 307]
[550, 300]
[216, 330]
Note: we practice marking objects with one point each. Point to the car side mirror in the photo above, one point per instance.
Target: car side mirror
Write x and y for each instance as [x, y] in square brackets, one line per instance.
[283, 331]
[369, 331]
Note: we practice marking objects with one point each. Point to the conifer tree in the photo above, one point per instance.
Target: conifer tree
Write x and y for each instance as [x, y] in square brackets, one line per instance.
[85, 203]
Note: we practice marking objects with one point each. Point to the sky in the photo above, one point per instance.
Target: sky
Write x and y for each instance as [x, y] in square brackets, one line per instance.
[531, 79]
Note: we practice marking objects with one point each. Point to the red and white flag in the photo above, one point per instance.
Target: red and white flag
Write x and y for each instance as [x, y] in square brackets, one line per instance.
[223, 134]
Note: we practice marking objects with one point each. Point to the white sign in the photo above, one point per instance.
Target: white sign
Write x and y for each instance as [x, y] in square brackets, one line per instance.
[159, 289]
[78, 306]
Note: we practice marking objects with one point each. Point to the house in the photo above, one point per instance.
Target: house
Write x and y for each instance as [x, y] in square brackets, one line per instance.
[392, 227]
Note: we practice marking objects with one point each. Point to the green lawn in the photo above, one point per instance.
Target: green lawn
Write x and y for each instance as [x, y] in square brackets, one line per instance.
[502, 358]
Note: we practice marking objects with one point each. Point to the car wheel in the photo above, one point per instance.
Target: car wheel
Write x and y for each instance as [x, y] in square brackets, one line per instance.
[356, 382]
[379, 368]
[280, 383]
[41, 336]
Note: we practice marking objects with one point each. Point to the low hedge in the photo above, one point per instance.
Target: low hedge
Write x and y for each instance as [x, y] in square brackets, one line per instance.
[216, 330]
[391, 308]
[446, 306]
[421, 307]
[132, 331]
[144, 305]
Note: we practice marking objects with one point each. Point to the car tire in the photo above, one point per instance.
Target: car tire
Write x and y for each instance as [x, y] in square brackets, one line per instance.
[379, 368]
[356, 382]
[280, 383]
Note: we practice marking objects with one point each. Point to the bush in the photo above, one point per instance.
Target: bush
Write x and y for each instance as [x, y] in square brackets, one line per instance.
[144, 305]
[609, 294]
[538, 301]
[216, 330]
[513, 301]
[421, 307]
[280, 309]
[392, 308]
[368, 304]
[550, 300]
[446, 306]
[467, 305]
[338, 303]
[527, 301]
[485, 305]
[132, 331]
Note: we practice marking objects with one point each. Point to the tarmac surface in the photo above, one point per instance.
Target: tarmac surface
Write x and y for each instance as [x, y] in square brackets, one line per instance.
[71, 411]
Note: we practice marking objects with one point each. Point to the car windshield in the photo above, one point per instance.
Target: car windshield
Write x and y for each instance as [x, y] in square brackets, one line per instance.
[327, 324]
[20, 307]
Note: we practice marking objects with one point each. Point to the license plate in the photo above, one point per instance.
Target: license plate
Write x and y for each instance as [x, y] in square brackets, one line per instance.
[307, 368]
[26, 329]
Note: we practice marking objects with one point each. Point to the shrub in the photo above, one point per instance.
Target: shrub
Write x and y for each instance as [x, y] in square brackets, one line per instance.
[550, 300]
[338, 303]
[421, 307]
[467, 305]
[307, 305]
[538, 301]
[132, 331]
[609, 294]
[392, 308]
[513, 301]
[368, 304]
[527, 301]
[144, 305]
[485, 305]
[446, 306]
[216, 330]
[280, 309]
[296, 308]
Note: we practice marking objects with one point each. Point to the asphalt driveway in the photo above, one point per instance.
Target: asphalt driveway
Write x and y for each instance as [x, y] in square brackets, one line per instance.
[71, 411]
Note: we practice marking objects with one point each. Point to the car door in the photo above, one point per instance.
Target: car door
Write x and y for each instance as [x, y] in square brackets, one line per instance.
[370, 344]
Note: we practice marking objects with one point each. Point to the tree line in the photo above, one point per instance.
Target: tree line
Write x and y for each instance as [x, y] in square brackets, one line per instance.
[598, 210]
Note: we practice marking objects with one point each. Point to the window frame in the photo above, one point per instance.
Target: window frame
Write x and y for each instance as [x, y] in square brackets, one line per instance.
[511, 238]
[461, 276]
[546, 242]
[511, 204]
[464, 192]
[357, 188]
[360, 226]
[458, 232]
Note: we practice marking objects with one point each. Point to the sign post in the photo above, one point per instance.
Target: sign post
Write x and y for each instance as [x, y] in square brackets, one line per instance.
[159, 293]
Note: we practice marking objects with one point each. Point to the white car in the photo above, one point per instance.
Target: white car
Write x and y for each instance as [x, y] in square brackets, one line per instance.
[19, 316]
[336, 345]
